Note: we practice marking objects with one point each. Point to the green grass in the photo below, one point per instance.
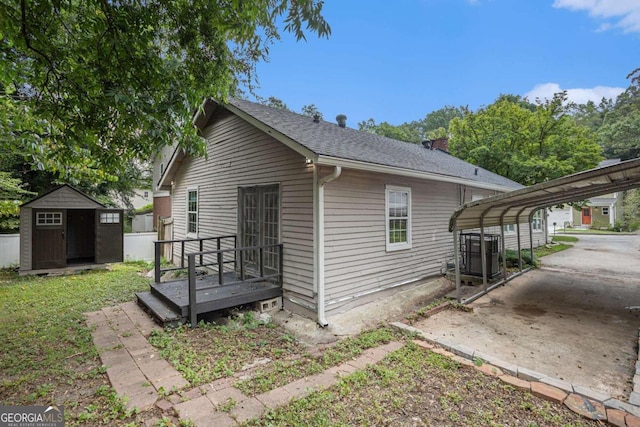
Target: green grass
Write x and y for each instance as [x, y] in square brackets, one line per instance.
[416, 387]
[284, 372]
[45, 345]
[543, 250]
[571, 239]
[591, 231]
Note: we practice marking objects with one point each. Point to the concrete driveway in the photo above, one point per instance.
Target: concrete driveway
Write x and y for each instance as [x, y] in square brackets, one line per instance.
[576, 318]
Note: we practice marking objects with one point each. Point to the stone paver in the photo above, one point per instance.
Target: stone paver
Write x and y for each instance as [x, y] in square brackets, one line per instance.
[516, 382]
[247, 409]
[220, 397]
[616, 417]
[423, 344]
[632, 421]
[200, 411]
[548, 392]
[491, 370]
[558, 383]
[586, 407]
[275, 398]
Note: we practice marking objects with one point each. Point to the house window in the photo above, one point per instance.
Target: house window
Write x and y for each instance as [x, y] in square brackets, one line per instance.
[192, 211]
[49, 218]
[536, 221]
[109, 218]
[509, 228]
[146, 194]
[605, 211]
[398, 217]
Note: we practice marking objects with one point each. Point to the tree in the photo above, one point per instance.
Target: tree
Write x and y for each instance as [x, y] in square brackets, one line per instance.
[11, 195]
[433, 125]
[274, 102]
[523, 144]
[620, 133]
[311, 110]
[88, 87]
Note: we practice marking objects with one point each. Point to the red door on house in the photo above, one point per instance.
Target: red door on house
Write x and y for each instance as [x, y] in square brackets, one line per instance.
[586, 216]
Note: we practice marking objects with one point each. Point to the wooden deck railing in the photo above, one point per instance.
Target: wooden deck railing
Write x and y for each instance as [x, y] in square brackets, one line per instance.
[200, 243]
[254, 275]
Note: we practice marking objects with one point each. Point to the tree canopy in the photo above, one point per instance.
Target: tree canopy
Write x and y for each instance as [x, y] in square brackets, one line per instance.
[87, 87]
[620, 131]
[433, 125]
[526, 142]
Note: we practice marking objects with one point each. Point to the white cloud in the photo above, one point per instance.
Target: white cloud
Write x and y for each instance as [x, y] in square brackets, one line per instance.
[625, 12]
[577, 95]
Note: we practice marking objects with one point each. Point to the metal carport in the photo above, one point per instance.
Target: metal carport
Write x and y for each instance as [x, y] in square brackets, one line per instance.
[515, 206]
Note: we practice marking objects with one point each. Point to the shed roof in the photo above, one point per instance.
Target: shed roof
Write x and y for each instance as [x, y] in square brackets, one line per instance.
[63, 197]
[506, 208]
[326, 143]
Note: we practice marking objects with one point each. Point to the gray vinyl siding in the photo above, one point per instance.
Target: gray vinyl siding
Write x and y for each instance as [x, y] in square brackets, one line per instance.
[356, 259]
[241, 155]
[25, 238]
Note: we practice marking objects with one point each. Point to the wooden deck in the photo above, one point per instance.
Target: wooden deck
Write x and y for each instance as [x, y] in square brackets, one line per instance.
[169, 301]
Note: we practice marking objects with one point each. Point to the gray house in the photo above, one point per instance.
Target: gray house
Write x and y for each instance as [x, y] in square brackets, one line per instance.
[358, 214]
[66, 228]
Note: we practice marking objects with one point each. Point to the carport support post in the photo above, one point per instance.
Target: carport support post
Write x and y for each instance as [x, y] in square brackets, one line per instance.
[456, 262]
[519, 243]
[504, 246]
[531, 236]
[483, 254]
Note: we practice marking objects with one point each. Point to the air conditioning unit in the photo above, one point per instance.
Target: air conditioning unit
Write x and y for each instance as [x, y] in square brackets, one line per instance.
[470, 245]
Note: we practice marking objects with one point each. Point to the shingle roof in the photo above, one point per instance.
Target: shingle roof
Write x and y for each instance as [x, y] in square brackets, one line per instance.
[329, 139]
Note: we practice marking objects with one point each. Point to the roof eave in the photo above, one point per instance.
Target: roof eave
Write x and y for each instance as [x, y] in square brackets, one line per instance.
[393, 170]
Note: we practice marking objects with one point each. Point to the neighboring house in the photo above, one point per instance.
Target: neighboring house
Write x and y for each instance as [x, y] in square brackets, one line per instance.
[162, 196]
[357, 213]
[599, 212]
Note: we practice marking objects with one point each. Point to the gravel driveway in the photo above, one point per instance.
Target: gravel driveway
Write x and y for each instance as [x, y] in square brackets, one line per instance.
[576, 318]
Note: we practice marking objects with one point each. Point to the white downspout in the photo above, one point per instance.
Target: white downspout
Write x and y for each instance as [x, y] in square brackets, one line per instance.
[319, 238]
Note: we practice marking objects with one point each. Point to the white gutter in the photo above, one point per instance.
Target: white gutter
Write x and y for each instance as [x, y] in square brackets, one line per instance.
[374, 167]
[318, 238]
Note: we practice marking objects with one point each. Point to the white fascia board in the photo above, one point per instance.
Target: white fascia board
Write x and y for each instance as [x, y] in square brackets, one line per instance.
[393, 170]
[170, 166]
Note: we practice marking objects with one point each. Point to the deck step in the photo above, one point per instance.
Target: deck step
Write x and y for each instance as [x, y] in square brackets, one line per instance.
[164, 314]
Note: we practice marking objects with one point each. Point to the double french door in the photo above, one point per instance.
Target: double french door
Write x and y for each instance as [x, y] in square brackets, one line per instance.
[259, 225]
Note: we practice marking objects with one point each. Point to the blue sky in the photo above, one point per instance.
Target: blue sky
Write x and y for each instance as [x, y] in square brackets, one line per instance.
[398, 60]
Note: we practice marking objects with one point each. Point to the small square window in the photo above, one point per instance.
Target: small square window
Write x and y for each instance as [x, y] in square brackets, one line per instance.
[109, 218]
[48, 218]
[509, 228]
[605, 211]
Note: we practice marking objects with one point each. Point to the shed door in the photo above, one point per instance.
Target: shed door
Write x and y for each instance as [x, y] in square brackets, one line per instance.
[109, 235]
[586, 216]
[49, 244]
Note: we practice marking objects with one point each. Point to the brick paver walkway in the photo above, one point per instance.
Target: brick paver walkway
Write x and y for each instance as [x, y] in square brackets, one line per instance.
[138, 373]
[135, 369]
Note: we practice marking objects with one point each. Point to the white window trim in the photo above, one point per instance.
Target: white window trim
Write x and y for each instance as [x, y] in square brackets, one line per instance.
[506, 228]
[603, 210]
[41, 218]
[197, 211]
[404, 245]
[538, 216]
[109, 218]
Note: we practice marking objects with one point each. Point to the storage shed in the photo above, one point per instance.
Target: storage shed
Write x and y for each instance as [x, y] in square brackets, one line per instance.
[66, 228]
